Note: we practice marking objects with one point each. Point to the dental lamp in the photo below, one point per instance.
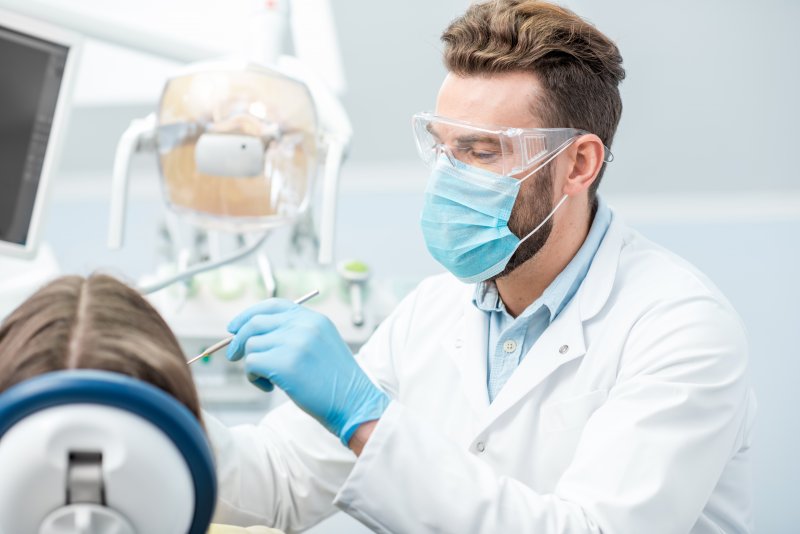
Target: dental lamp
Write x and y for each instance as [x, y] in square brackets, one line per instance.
[239, 145]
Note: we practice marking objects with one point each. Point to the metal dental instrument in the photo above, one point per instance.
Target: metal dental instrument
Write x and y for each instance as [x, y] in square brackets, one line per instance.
[224, 342]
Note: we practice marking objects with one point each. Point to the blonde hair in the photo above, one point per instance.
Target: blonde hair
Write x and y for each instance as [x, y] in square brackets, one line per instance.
[93, 323]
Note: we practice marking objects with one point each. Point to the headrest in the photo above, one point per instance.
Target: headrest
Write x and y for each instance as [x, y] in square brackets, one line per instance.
[45, 419]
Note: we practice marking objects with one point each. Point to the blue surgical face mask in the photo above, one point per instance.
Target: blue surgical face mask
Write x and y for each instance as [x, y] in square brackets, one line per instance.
[465, 218]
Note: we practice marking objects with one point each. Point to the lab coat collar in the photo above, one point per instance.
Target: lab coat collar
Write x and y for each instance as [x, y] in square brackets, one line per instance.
[596, 288]
[466, 341]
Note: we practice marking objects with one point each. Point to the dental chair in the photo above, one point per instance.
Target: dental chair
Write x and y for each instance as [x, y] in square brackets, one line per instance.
[95, 452]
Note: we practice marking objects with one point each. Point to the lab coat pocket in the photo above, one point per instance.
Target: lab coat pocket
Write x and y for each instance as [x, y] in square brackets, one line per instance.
[573, 412]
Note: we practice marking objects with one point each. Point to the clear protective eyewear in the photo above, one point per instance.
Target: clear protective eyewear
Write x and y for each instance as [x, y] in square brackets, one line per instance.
[505, 151]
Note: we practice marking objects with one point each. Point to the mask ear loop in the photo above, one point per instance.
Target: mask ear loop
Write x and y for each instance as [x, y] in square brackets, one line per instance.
[549, 216]
[560, 202]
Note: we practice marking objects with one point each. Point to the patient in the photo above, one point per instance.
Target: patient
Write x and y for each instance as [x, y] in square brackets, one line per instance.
[93, 323]
[97, 323]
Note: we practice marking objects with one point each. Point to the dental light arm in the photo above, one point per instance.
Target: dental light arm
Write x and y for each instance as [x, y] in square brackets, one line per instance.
[330, 191]
[67, 15]
[337, 132]
[139, 136]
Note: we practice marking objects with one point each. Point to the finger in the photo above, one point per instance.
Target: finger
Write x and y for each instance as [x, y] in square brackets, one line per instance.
[260, 368]
[261, 343]
[261, 382]
[275, 364]
[258, 325]
[265, 307]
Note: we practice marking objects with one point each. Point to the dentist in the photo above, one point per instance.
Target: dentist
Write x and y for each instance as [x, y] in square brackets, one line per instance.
[565, 376]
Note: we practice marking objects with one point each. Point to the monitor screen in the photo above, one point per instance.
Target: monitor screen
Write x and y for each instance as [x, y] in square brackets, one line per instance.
[32, 73]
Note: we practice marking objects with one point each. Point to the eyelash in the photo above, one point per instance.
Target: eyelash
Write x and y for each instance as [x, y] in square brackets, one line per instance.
[479, 154]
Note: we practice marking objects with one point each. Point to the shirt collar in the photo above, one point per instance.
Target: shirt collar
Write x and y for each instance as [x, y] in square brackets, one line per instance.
[556, 296]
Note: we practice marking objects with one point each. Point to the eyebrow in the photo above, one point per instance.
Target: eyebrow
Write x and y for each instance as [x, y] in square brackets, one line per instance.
[466, 139]
[431, 131]
[472, 139]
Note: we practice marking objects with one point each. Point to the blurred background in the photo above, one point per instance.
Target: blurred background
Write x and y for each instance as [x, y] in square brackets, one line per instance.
[705, 161]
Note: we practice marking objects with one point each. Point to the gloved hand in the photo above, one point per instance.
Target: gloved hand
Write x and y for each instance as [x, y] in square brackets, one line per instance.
[301, 352]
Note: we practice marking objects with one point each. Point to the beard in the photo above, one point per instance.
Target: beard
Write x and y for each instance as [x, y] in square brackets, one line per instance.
[531, 207]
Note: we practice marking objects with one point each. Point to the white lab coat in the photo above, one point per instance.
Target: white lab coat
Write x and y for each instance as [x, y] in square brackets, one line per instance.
[631, 414]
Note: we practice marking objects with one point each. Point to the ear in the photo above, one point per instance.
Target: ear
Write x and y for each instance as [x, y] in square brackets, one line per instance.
[587, 159]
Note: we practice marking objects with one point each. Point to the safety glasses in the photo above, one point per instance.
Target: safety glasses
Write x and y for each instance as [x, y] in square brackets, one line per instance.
[506, 151]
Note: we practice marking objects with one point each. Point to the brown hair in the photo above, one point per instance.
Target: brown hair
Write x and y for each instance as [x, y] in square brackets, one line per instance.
[578, 67]
[93, 323]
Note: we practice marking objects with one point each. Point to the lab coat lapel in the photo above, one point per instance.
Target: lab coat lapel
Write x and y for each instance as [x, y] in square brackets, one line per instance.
[465, 343]
[561, 342]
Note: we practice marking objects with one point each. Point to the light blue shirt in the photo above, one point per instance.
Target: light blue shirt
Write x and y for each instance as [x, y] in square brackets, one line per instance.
[511, 338]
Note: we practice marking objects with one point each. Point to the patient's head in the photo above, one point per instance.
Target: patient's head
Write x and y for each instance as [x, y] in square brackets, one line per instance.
[93, 323]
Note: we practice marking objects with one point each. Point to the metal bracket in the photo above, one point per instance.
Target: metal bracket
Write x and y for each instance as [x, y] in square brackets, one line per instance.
[85, 478]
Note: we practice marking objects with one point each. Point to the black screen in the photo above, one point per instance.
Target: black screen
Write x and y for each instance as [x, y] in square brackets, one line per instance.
[31, 70]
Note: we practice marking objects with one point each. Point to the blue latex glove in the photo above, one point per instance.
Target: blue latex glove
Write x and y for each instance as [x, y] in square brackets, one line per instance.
[301, 352]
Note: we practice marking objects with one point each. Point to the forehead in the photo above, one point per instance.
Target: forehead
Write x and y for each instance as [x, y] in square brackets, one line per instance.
[497, 100]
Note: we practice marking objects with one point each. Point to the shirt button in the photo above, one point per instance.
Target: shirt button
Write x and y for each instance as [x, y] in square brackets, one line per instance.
[563, 349]
[480, 446]
[510, 345]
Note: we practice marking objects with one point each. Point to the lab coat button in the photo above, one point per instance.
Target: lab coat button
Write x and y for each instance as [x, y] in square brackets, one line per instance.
[563, 349]
[480, 446]
[458, 343]
[510, 345]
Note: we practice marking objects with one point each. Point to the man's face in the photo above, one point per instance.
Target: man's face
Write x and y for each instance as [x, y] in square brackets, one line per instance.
[506, 100]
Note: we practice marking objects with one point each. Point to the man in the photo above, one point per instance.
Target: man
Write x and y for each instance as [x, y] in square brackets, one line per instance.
[584, 380]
